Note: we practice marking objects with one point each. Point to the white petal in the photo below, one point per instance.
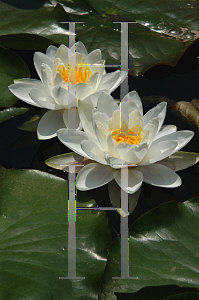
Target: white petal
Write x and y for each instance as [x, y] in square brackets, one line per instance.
[39, 59]
[58, 80]
[133, 101]
[112, 80]
[49, 124]
[182, 137]
[164, 130]
[85, 114]
[22, 87]
[93, 151]
[94, 56]
[93, 175]
[135, 179]
[63, 98]
[43, 100]
[92, 82]
[62, 53]
[80, 90]
[158, 111]
[132, 154]
[98, 116]
[180, 160]
[114, 162]
[71, 118]
[152, 128]
[117, 119]
[51, 52]
[115, 197]
[159, 152]
[112, 144]
[101, 133]
[46, 75]
[159, 175]
[106, 104]
[72, 139]
[135, 118]
[79, 47]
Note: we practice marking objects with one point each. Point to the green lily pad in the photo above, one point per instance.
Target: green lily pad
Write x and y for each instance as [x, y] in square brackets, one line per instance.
[12, 67]
[160, 34]
[163, 250]
[188, 112]
[161, 292]
[34, 239]
[11, 112]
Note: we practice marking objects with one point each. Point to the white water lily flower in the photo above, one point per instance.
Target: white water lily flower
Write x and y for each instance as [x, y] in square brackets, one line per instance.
[67, 75]
[113, 139]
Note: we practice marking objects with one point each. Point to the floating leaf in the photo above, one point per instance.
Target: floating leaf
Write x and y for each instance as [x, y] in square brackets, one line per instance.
[188, 111]
[31, 125]
[159, 34]
[12, 67]
[195, 103]
[163, 250]
[34, 239]
[160, 293]
[11, 112]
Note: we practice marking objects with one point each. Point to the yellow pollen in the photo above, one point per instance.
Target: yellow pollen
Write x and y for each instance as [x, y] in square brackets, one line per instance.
[75, 75]
[129, 138]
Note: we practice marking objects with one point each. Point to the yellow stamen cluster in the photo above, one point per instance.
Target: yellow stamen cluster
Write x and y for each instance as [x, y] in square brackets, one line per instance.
[129, 137]
[76, 75]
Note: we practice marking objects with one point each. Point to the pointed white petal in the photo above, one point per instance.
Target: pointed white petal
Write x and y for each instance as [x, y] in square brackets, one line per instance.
[21, 89]
[182, 137]
[132, 154]
[116, 121]
[112, 80]
[98, 116]
[106, 104]
[79, 47]
[49, 124]
[94, 56]
[51, 52]
[80, 90]
[93, 151]
[101, 133]
[111, 143]
[135, 179]
[43, 100]
[180, 160]
[93, 175]
[159, 175]
[92, 82]
[152, 128]
[114, 162]
[62, 53]
[39, 59]
[58, 80]
[159, 152]
[85, 114]
[74, 121]
[133, 101]
[72, 139]
[63, 98]
[157, 112]
[135, 118]
[164, 130]
[46, 75]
